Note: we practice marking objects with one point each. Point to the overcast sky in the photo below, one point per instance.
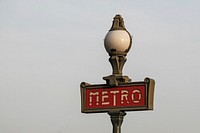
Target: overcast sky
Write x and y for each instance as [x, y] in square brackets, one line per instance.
[48, 47]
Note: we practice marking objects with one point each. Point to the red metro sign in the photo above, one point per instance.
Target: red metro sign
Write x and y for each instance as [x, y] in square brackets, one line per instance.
[126, 97]
[115, 97]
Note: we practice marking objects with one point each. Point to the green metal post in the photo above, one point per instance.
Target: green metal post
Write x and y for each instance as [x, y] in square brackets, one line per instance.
[117, 60]
[117, 119]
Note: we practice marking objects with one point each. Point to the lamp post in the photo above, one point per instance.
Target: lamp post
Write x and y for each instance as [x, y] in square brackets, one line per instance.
[117, 43]
[119, 94]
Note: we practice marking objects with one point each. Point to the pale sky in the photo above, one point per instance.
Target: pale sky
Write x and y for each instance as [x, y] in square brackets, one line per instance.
[48, 47]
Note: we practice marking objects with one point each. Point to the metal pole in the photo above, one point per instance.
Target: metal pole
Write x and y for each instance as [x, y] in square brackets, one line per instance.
[117, 119]
[117, 60]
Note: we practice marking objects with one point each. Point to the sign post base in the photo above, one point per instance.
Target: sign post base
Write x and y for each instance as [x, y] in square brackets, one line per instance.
[117, 119]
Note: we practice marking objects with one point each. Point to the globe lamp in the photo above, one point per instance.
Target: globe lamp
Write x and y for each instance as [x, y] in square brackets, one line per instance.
[117, 43]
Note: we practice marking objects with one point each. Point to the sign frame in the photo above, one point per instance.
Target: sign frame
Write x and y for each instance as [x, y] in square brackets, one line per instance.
[149, 96]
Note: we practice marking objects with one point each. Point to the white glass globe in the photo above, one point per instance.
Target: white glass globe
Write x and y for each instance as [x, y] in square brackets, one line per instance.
[117, 41]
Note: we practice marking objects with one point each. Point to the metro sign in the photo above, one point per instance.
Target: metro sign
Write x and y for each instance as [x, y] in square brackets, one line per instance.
[125, 97]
